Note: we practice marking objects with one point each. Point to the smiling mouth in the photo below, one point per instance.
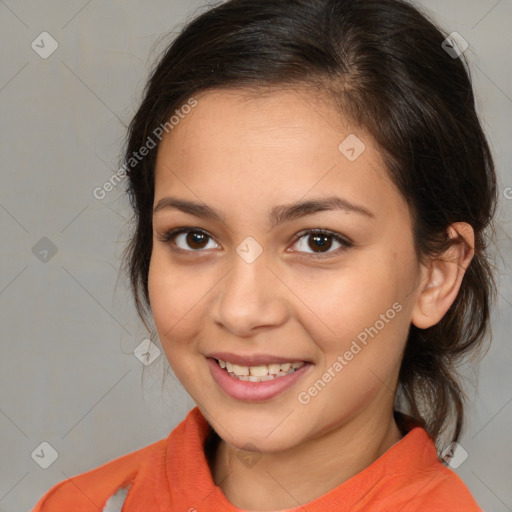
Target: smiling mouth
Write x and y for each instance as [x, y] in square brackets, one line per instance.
[261, 372]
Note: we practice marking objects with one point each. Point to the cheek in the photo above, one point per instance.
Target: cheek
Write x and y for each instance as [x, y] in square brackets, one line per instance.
[175, 298]
[344, 302]
[358, 313]
[175, 310]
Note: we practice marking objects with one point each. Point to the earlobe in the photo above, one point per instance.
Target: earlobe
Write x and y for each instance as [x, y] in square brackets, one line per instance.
[443, 277]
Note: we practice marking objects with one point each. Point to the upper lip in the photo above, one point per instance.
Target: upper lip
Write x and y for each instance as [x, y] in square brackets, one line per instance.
[254, 359]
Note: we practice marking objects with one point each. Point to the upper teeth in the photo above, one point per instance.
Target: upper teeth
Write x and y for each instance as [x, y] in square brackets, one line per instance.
[274, 369]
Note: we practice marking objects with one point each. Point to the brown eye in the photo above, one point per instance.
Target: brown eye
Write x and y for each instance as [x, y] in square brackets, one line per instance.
[195, 240]
[191, 240]
[320, 242]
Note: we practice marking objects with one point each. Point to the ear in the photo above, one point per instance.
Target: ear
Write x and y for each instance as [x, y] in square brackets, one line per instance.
[443, 277]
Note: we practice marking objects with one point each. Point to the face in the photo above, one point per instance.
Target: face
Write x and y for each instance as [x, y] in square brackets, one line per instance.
[323, 315]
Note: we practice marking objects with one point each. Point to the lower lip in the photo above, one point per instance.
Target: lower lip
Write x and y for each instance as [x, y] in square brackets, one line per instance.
[253, 391]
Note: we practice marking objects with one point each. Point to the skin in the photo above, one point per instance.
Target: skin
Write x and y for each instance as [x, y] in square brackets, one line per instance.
[242, 155]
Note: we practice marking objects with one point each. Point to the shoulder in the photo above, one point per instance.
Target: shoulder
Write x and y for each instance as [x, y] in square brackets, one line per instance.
[89, 491]
[440, 491]
[420, 482]
[445, 490]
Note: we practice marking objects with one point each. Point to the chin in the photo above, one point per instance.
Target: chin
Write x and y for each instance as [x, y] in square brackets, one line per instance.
[265, 430]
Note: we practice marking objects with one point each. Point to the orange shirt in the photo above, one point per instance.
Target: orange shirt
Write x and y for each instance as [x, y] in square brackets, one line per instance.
[173, 475]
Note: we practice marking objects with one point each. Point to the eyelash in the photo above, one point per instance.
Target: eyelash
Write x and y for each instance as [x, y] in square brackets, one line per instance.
[170, 235]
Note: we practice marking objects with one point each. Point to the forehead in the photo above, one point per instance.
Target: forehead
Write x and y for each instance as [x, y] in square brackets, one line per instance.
[274, 119]
[271, 148]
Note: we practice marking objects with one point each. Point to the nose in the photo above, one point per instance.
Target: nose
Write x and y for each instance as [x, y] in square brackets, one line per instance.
[250, 298]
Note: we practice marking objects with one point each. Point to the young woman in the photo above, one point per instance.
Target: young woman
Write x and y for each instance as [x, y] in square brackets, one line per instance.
[312, 191]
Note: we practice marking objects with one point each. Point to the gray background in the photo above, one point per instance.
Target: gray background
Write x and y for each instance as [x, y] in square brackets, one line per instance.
[68, 327]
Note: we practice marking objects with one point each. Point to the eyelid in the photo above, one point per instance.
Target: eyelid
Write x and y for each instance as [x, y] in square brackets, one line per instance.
[170, 234]
[345, 242]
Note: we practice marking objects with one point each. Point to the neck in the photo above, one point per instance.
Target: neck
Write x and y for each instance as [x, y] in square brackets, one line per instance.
[303, 473]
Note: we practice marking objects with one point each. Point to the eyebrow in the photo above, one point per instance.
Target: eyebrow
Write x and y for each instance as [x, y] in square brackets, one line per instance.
[278, 214]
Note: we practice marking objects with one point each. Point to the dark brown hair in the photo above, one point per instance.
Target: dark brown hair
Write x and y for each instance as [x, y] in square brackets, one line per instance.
[383, 64]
